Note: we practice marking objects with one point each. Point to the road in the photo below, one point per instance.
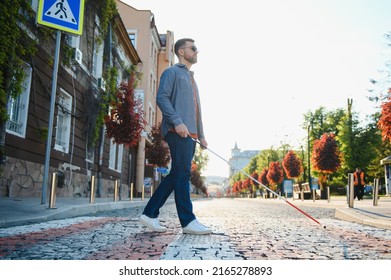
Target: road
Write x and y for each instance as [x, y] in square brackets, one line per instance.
[244, 229]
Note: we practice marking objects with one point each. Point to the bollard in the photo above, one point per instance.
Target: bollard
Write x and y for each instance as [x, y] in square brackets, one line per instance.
[302, 195]
[313, 195]
[375, 192]
[116, 190]
[131, 191]
[328, 194]
[350, 190]
[92, 190]
[151, 191]
[52, 200]
[142, 193]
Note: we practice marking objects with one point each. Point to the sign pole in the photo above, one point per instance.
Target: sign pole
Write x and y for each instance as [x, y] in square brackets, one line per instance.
[51, 117]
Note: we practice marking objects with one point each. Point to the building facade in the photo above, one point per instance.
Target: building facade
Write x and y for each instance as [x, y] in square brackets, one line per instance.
[80, 149]
[239, 159]
[156, 52]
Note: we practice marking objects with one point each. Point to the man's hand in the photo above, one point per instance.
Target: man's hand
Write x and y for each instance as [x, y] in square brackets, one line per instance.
[204, 144]
[182, 130]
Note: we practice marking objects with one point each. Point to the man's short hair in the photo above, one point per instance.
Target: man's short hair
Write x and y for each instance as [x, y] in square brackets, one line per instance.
[180, 43]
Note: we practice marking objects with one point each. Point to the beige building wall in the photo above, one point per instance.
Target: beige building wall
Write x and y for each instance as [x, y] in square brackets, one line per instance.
[166, 59]
[140, 25]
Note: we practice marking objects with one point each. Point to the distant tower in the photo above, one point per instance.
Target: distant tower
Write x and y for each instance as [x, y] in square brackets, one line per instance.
[239, 159]
[235, 152]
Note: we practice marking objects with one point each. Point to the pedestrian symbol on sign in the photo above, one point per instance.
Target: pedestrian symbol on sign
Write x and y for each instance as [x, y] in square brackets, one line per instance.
[60, 10]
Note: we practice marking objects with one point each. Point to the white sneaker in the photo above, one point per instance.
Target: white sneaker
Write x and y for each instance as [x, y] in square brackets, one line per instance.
[152, 223]
[195, 227]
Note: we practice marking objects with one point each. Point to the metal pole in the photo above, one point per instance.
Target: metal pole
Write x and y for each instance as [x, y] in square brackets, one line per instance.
[92, 190]
[313, 195]
[51, 117]
[351, 190]
[131, 191]
[142, 193]
[375, 192]
[328, 194]
[116, 190]
[52, 201]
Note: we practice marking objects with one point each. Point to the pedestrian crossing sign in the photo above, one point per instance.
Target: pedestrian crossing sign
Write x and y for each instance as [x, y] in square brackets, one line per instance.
[66, 15]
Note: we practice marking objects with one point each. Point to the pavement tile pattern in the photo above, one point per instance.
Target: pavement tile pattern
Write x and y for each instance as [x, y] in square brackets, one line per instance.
[244, 229]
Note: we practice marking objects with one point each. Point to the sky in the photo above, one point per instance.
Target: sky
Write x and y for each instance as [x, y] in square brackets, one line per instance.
[262, 64]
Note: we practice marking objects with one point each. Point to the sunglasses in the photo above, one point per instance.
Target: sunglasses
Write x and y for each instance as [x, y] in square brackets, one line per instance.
[193, 48]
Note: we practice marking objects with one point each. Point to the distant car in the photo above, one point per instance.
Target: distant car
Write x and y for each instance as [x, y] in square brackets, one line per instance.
[368, 190]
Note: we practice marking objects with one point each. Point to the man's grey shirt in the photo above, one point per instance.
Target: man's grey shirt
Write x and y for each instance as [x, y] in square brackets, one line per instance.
[175, 98]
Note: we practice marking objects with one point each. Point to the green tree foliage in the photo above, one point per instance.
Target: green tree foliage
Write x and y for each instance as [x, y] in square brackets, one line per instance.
[265, 157]
[201, 159]
[15, 46]
[292, 165]
[347, 139]
[322, 121]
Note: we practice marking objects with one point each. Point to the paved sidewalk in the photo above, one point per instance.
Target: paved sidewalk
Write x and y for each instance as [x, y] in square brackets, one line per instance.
[21, 211]
[363, 211]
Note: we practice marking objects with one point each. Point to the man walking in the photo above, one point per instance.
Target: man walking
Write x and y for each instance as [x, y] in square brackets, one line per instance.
[179, 101]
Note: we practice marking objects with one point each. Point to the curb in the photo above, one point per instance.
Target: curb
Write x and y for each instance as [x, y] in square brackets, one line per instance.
[72, 211]
[351, 215]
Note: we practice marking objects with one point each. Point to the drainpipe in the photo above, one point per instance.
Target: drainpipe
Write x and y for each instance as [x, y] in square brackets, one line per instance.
[102, 142]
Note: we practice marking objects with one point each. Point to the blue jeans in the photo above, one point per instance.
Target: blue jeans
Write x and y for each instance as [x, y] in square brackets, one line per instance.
[178, 180]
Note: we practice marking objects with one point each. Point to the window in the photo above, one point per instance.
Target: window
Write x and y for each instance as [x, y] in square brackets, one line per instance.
[151, 115]
[17, 107]
[132, 37]
[97, 60]
[63, 128]
[115, 160]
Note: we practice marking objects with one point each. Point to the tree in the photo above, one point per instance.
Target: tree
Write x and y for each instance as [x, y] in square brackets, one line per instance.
[346, 138]
[275, 175]
[292, 165]
[325, 157]
[196, 179]
[125, 122]
[262, 178]
[158, 153]
[252, 166]
[322, 121]
[385, 120]
[16, 46]
[254, 181]
[201, 159]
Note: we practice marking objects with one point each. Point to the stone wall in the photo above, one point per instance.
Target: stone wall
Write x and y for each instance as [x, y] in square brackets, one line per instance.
[24, 179]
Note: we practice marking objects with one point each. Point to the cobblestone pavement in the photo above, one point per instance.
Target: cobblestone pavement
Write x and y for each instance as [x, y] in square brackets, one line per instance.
[244, 229]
